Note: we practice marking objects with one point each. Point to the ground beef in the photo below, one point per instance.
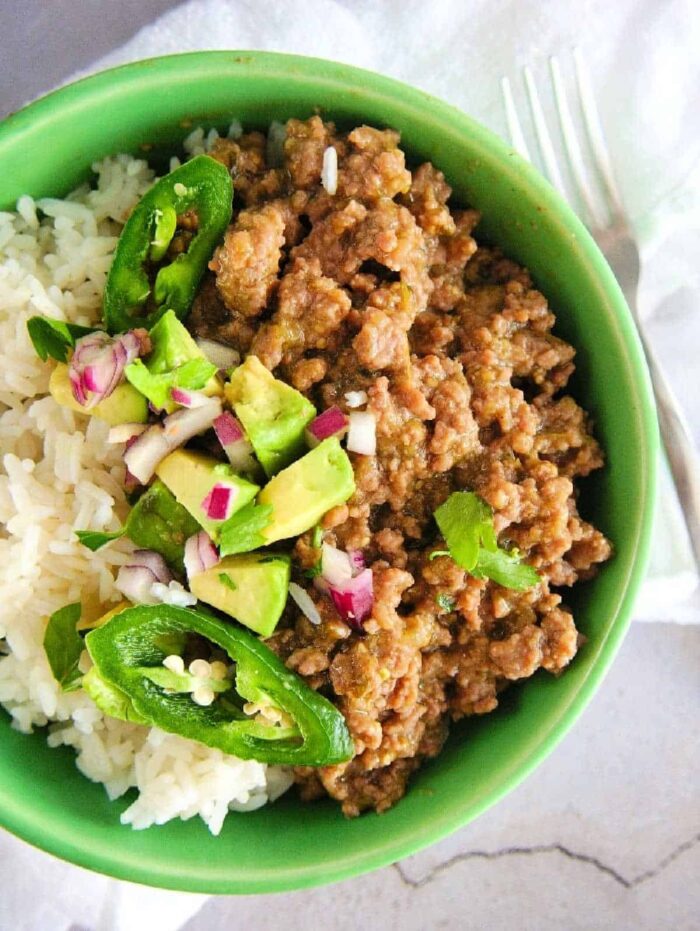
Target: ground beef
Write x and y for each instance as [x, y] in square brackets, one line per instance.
[382, 288]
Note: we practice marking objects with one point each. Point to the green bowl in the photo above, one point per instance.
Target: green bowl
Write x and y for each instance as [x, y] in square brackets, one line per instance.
[47, 148]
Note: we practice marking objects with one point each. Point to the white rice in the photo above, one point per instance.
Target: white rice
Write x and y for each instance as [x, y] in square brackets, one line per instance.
[60, 474]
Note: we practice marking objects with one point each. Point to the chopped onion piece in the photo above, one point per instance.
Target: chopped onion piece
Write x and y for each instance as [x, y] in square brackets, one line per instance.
[153, 561]
[238, 449]
[135, 583]
[144, 454]
[357, 561]
[200, 554]
[329, 171]
[98, 361]
[331, 422]
[362, 433]
[354, 599]
[123, 432]
[218, 504]
[304, 603]
[220, 355]
[228, 429]
[186, 398]
[335, 565]
[188, 422]
[355, 398]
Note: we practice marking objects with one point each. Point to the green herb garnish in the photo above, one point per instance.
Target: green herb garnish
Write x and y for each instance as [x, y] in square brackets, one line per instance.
[226, 580]
[54, 337]
[317, 537]
[63, 645]
[466, 523]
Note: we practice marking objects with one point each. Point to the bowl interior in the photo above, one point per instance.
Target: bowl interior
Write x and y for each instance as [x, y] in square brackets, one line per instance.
[149, 107]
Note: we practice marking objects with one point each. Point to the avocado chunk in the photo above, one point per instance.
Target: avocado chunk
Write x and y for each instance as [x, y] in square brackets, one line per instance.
[175, 361]
[273, 414]
[124, 405]
[251, 588]
[302, 493]
[190, 476]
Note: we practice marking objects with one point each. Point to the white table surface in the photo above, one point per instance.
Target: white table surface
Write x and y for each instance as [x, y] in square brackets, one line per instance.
[604, 835]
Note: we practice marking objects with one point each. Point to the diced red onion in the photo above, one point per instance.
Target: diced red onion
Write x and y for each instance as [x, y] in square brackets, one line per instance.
[144, 454]
[124, 432]
[357, 561]
[220, 355]
[187, 398]
[335, 565]
[228, 429]
[362, 433]
[354, 599]
[153, 561]
[200, 554]
[238, 449]
[329, 170]
[134, 582]
[355, 398]
[304, 603]
[218, 504]
[188, 422]
[332, 422]
[97, 364]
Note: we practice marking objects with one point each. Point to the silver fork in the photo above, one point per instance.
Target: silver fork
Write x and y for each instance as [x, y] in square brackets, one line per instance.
[609, 226]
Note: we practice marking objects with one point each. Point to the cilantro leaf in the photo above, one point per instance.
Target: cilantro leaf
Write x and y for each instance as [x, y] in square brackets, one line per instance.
[466, 523]
[226, 580]
[63, 645]
[54, 337]
[461, 519]
[96, 539]
[505, 568]
[241, 532]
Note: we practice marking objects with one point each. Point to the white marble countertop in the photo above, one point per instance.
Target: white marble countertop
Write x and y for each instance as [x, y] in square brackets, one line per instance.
[604, 835]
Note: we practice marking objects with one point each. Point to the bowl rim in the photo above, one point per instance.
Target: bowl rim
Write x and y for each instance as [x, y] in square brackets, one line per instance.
[53, 106]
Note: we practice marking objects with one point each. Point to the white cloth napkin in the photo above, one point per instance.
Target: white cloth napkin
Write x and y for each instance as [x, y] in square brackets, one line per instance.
[646, 75]
[643, 57]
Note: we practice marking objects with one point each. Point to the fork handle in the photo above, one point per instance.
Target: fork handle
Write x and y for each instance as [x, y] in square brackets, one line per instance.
[682, 453]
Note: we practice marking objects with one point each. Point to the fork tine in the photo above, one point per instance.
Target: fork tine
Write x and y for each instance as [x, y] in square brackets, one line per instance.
[573, 149]
[544, 140]
[596, 137]
[517, 137]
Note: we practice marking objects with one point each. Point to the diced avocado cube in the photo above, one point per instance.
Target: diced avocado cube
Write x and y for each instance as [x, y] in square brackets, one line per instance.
[172, 345]
[124, 405]
[191, 476]
[302, 493]
[175, 361]
[251, 588]
[273, 414]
